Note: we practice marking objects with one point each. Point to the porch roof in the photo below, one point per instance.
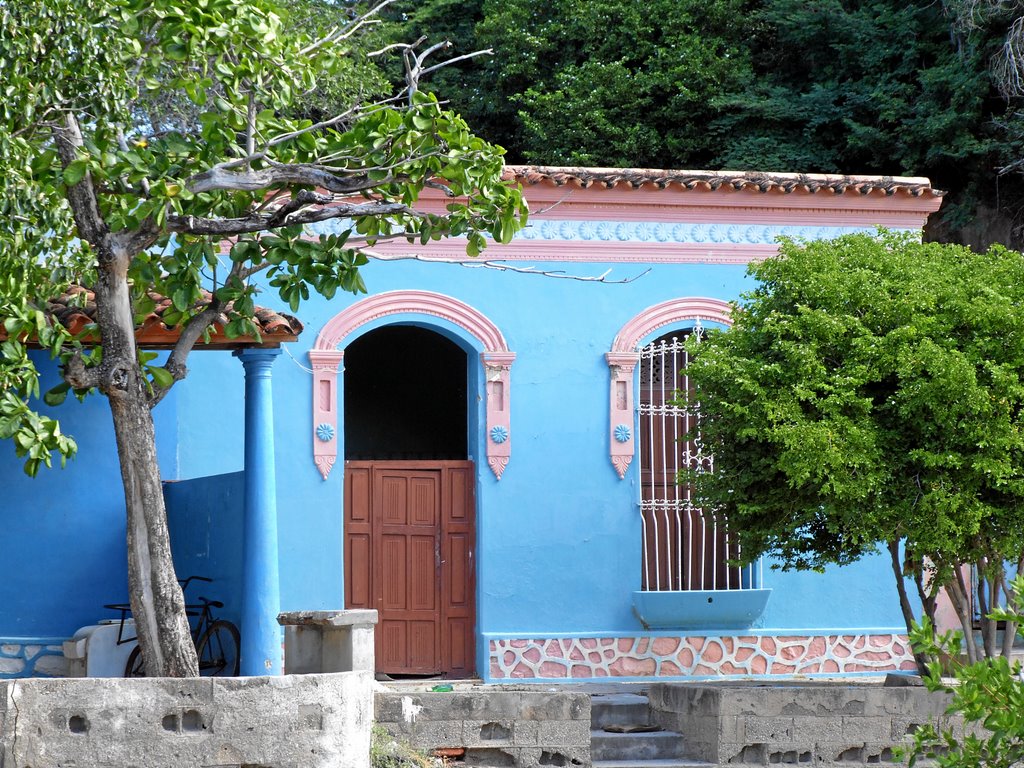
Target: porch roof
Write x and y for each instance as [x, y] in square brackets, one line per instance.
[76, 310]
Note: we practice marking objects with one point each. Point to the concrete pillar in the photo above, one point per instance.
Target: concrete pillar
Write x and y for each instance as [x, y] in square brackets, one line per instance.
[261, 587]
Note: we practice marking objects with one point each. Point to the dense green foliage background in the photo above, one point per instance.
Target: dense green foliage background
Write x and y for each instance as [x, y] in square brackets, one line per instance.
[875, 87]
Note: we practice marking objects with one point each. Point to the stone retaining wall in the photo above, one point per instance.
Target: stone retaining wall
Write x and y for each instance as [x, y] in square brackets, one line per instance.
[823, 724]
[493, 727]
[294, 721]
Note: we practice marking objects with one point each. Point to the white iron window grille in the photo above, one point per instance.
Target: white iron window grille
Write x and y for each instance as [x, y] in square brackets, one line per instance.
[684, 546]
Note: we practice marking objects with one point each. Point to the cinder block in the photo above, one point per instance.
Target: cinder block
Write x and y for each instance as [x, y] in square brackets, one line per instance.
[809, 730]
[487, 733]
[435, 734]
[768, 729]
[526, 733]
[563, 733]
[867, 729]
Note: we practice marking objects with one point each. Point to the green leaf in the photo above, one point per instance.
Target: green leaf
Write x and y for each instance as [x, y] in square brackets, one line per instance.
[57, 395]
[75, 172]
[161, 377]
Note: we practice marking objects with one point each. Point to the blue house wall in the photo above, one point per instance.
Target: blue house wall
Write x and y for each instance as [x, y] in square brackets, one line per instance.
[558, 538]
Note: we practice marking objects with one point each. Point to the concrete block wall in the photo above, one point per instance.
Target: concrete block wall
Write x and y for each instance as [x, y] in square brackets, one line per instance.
[294, 721]
[493, 728]
[824, 725]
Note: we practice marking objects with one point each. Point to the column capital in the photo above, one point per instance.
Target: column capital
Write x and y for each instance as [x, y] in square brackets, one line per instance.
[257, 355]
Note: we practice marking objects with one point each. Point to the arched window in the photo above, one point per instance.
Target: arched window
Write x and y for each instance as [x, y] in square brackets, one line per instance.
[685, 547]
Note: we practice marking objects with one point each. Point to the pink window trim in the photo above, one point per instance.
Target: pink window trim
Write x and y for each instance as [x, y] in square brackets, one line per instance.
[496, 359]
[624, 355]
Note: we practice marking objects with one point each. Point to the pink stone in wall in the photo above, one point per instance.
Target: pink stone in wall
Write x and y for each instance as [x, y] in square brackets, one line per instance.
[848, 639]
[727, 643]
[696, 642]
[609, 654]
[758, 665]
[594, 657]
[493, 646]
[817, 647]
[589, 643]
[791, 652]
[607, 642]
[810, 669]
[665, 646]
[861, 642]
[521, 670]
[510, 658]
[641, 647]
[518, 643]
[553, 669]
[898, 649]
[575, 654]
[873, 656]
[496, 670]
[712, 652]
[830, 665]
[744, 653]
[532, 655]
[685, 658]
[841, 651]
[728, 668]
[579, 670]
[600, 672]
[782, 669]
[703, 669]
[768, 645]
[554, 650]
[881, 641]
[748, 640]
[638, 667]
[615, 668]
[625, 644]
[669, 669]
[907, 664]
[790, 639]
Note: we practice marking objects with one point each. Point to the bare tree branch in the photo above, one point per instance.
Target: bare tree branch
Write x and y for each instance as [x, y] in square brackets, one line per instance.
[503, 267]
[302, 174]
[82, 196]
[257, 222]
[345, 32]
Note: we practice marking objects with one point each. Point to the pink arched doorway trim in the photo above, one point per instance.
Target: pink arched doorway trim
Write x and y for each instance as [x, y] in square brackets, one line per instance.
[624, 355]
[326, 357]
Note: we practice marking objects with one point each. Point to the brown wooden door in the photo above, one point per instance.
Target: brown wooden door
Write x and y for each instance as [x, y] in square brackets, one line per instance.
[409, 554]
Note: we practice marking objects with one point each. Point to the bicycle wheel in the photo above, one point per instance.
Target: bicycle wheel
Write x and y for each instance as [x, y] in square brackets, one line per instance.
[136, 666]
[217, 649]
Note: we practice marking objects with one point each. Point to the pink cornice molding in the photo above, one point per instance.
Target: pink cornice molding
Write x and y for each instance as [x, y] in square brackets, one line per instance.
[496, 360]
[623, 357]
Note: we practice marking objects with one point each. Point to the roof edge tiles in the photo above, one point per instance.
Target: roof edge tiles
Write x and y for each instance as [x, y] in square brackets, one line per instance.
[75, 309]
[914, 186]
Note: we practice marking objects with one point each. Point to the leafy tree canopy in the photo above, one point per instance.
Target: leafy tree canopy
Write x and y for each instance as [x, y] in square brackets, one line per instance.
[152, 146]
[880, 87]
[871, 391]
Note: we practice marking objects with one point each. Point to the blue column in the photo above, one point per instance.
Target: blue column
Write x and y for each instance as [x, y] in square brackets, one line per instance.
[261, 588]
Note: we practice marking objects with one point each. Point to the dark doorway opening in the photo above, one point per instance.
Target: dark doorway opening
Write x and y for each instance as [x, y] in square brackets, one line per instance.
[405, 396]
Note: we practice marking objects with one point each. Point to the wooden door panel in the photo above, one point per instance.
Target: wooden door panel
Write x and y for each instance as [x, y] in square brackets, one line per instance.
[409, 543]
[358, 545]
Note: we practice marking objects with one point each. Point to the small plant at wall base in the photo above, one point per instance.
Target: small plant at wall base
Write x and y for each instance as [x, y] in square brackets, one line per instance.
[147, 147]
[989, 694]
[870, 395]
[388, 752]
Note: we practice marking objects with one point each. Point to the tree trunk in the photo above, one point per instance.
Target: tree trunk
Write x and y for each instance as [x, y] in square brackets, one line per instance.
[908, 611]
[156, 598]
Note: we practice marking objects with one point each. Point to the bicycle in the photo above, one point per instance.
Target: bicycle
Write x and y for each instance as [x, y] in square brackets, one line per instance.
[217, 641]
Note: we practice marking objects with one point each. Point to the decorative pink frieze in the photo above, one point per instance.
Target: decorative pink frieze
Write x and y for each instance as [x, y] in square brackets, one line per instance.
[710, 656]
[623, 357]
[496, 360]
[325, 407]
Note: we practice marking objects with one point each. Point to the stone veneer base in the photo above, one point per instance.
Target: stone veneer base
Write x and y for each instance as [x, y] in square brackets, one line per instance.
[708, 656]
[32, 657]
